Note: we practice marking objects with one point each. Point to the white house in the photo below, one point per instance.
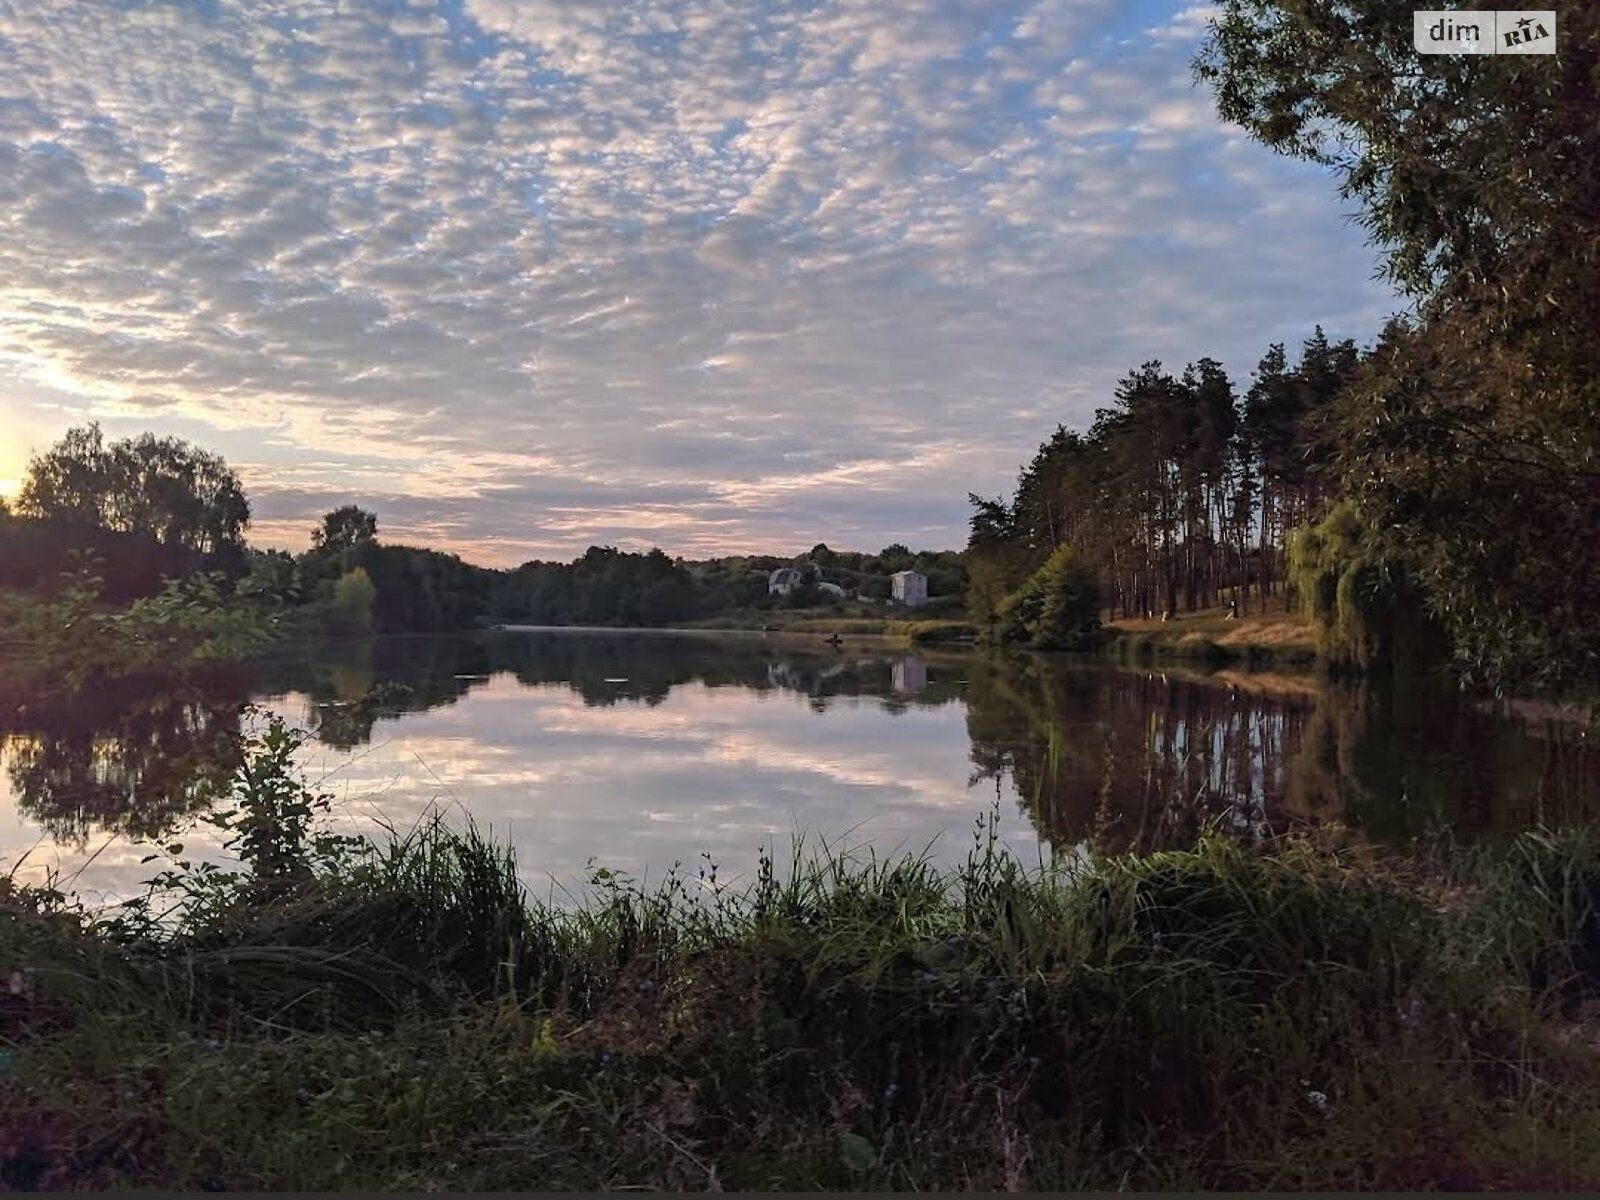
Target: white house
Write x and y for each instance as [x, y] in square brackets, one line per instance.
[910, 588]
[784, 580]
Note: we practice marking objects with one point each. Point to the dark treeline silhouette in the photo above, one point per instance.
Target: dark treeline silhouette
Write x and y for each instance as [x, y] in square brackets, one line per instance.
[136, 513]
[1181, 493]
[607, 586]
[142, 509]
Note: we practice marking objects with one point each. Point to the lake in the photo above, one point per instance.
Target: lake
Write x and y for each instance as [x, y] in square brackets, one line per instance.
[638, 750]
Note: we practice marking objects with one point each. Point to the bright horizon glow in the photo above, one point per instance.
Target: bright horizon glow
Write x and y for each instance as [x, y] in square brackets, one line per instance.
[523, 276]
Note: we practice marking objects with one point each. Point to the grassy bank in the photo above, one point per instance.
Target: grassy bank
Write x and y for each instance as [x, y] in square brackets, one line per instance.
[1262, 639]
[402, 1017]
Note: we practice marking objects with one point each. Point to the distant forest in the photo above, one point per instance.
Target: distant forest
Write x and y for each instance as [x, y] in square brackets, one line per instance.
[135, 513]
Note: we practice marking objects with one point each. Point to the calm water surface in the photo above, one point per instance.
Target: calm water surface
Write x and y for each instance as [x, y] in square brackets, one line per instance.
[638, 750]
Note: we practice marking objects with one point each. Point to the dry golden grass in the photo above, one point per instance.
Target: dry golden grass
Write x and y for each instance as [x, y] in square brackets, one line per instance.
[1272, 630]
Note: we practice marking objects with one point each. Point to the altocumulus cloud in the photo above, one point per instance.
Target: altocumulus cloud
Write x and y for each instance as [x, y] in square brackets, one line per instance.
[715, 275]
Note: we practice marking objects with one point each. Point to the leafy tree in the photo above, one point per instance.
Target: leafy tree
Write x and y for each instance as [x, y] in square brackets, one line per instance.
[822, 556]
[1471, 448]
[191, 620]
[1480, 468]
[70, 483]
[611, 587]
[1058, 607]
[273, 579]
[996, 559]
[1366, 605]
[345, 528]
[353, 599]
[161, 487]
[894, 558]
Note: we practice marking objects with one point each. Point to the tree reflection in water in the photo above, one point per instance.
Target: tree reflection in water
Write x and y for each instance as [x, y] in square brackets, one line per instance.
[134, 757]
[1129, 758]
[1147, 759]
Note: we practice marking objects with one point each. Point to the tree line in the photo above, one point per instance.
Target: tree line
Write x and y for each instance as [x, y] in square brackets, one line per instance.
[116, 522]
[1439, 488]
[1180, 495]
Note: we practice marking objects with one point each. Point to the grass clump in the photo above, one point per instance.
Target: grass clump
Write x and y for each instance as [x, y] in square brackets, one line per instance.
[400, 1015]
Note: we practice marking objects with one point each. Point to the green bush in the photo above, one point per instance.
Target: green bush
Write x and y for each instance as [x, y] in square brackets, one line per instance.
[353, 597]
[1057, 608]
[1367, 610]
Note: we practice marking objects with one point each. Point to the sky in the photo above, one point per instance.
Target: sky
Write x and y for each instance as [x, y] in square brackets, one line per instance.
[721, 276]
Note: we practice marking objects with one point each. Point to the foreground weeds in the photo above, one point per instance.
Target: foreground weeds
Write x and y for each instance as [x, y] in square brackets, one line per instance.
[401, 1016]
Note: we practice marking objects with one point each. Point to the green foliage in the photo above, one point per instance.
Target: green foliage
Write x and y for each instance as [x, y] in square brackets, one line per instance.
[271, 829]
[159, 486]
[1367, 611]
[611, 587]
[401, 1016]
[1057, 608]
[1474, 456]
[996, 559]
[1423, 152]
[1471, 445]
[933, 633]
[604, 587]
[353, 599]
[344, 529]
[1178, 495]
[420, 590]
[271, 580]
[1538, 914]
[191, 621]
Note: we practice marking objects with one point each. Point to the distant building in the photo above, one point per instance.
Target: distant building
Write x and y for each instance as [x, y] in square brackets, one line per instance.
[787, 579]
[910, 588]
[784, 580]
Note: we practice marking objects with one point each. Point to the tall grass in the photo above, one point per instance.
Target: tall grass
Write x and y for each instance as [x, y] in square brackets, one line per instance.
[402, 1015]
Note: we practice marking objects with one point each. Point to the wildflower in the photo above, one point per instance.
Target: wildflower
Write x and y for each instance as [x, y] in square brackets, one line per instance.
[647, 985]
[211, 1046]
[891, 1091]
[18, 985]
[1319, 1101]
